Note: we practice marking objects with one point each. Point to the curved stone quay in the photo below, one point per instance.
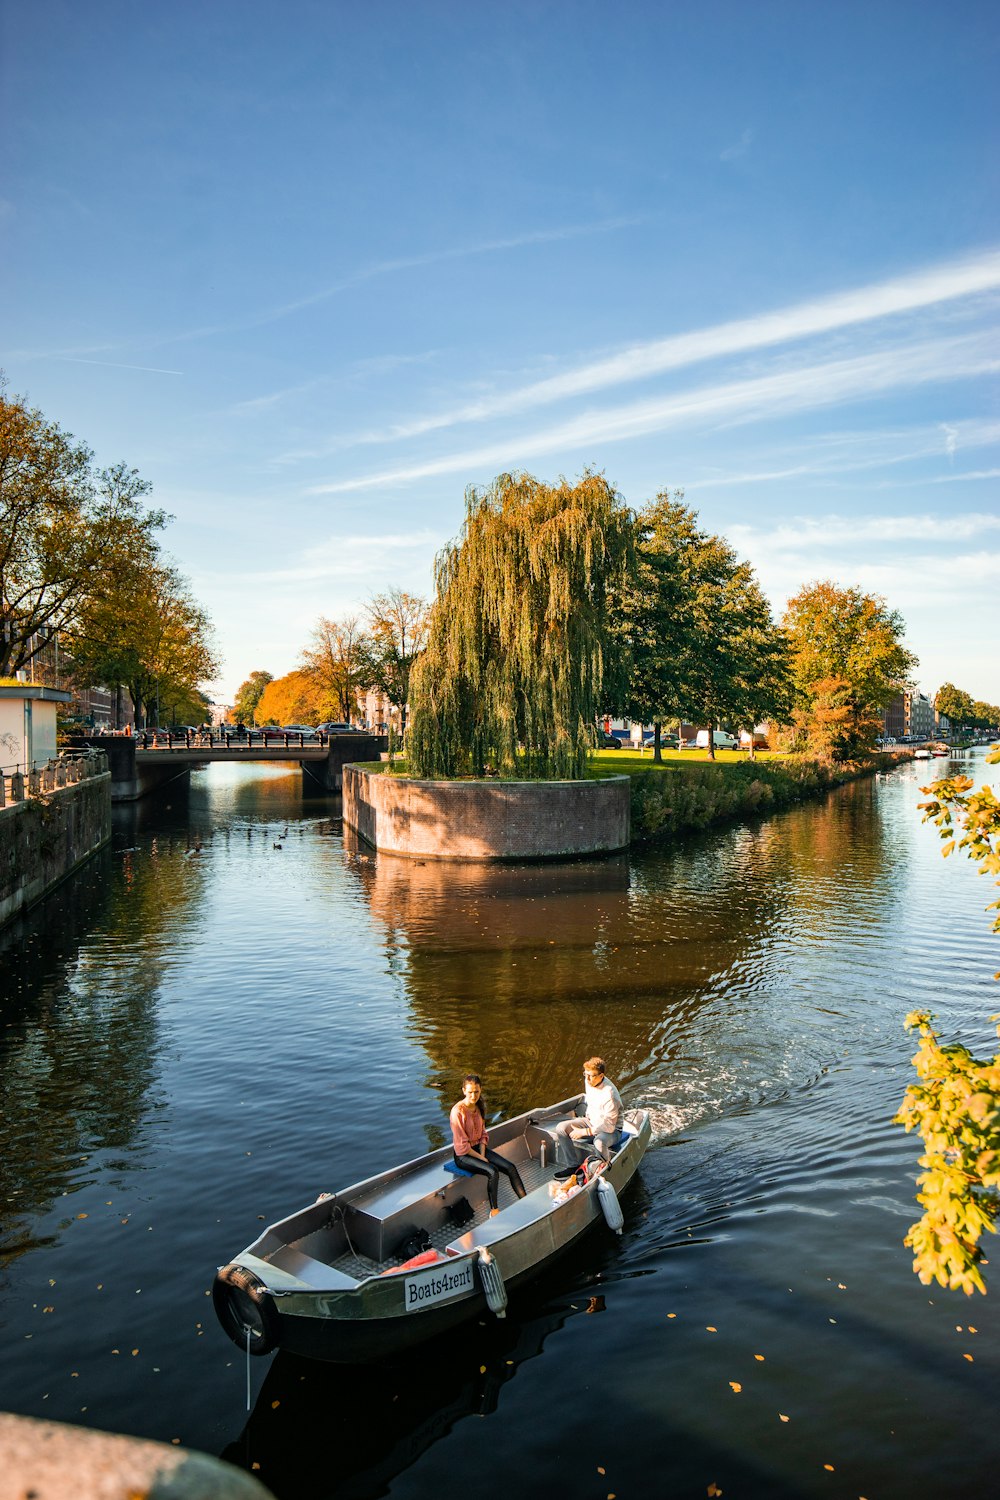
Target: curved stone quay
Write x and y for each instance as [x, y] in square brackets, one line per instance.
[486, 820]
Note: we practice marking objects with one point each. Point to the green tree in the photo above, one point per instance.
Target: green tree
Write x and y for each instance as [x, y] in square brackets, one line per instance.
[985, 715]
[515, 661]
[701, 641]
[248, 695]
[955, 704]
[63, 526]
[143, 628]
[848, 659]
[398, 624]
[956, 1103]
[338, 660]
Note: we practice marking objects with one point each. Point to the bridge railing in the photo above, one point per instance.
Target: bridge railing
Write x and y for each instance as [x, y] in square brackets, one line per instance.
[67, 769]
[256, 739]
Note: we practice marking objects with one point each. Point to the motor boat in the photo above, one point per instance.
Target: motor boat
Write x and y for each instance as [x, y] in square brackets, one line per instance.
[373, 1269]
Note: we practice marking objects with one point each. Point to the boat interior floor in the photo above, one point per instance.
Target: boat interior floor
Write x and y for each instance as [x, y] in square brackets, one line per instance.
[533, 1175]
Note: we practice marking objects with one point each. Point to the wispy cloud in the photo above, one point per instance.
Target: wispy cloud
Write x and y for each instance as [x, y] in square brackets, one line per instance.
[363, 274]
[816, 533]
[403, 263]
[112, 364]
[932, 286]
[377, 365]
[761, 398]
[342, 557]
[741, 147]
[850, 452]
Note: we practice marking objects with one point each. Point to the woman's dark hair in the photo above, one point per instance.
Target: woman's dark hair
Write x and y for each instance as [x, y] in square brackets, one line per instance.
[475, 1078]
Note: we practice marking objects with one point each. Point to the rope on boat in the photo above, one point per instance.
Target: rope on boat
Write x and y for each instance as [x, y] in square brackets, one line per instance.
[493, 1288]
[610, 1206]
[338, 1216]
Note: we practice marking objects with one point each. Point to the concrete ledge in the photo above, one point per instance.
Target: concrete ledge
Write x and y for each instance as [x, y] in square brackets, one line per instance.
[50, 1461]
[487, 820]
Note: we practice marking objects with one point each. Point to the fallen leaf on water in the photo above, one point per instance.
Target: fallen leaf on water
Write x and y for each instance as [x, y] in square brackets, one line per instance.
[713, 1489]
[759, 1357]
[175, 1440]
[81, 1216]
[969, 1358]
[52, 1283]
[831, 1320]
[116, 1351]
[710, 1329]
[671, 1315]
[134, 1352]
[275, 1404]
[599, 1469]
[255, 1465]
[841, 1287]
[48, 1309]
[828, 1466]
[782, 1417]
[971, 1329]
[735, 1385]
[482, 1369]
[958, 1328]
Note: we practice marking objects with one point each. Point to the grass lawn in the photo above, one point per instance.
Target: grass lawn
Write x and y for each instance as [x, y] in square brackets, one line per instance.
[602, 762]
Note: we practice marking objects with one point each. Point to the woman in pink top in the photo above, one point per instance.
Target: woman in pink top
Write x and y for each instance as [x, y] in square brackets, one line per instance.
[471, 1143]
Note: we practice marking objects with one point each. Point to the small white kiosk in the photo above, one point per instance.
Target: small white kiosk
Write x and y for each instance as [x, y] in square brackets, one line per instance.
[28, 726]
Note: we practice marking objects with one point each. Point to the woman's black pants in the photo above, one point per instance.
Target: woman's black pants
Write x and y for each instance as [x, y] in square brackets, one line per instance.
[491, 1168]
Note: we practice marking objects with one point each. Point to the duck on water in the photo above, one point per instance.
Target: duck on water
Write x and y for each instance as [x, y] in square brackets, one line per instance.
[409, 1253]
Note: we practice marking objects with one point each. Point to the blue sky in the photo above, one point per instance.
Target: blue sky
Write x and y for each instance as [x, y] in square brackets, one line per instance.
[315, 268]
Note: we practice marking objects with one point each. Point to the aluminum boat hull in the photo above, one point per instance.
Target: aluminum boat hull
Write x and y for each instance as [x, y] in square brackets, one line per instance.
[307, 1286]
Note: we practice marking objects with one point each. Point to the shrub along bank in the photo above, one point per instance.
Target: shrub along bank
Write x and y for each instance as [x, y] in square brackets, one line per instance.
[677, 797]
[682, 795]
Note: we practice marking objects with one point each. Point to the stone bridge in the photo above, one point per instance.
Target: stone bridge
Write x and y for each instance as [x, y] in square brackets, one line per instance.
[142, 763]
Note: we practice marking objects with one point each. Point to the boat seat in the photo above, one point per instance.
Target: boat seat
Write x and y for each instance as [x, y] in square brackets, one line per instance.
[456, 1170]
[313, 1273]
[549, 1129]
[517, 1215]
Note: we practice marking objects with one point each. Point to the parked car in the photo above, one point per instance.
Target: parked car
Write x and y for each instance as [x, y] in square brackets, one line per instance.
[334, 727]
[667, 741]
[306, 730]
[607, 741]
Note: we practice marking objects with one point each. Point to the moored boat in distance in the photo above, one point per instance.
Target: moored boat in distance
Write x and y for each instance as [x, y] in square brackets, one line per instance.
[404, 1255]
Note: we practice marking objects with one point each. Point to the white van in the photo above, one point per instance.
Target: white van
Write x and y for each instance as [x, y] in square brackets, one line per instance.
[720, 738]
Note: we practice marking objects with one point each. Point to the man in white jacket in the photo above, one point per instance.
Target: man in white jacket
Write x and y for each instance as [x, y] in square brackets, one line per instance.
[602, 1122]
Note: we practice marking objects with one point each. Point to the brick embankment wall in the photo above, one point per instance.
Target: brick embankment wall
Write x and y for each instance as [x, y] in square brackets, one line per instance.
[44, 839]
[487, 820]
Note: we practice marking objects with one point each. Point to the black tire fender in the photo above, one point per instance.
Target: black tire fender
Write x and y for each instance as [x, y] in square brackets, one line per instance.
[243, 1304]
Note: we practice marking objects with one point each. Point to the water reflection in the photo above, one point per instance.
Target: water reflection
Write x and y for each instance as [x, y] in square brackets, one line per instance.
[519, 972]
[79, 1010]
[307, 1411]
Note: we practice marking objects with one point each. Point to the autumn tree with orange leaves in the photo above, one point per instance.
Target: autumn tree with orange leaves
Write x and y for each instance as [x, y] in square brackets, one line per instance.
[848, 661]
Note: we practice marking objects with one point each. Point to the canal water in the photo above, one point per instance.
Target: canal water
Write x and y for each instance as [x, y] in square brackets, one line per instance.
[231, 1010]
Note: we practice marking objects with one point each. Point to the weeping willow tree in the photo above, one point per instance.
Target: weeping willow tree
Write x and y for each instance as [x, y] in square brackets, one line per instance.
[515, 661]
